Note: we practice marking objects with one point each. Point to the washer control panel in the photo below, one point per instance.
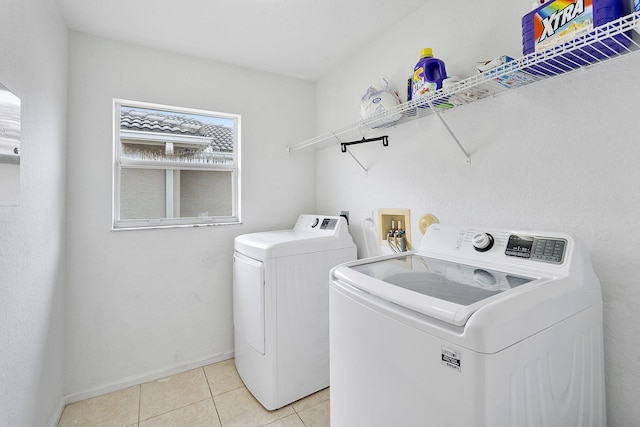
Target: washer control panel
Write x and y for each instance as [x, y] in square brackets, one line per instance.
[537, 248]
[497, 244]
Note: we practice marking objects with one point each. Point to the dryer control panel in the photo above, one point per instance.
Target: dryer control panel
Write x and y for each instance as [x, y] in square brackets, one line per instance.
[318, 223]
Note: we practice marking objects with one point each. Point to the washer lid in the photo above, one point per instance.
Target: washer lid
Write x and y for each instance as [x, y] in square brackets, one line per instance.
[444, 290]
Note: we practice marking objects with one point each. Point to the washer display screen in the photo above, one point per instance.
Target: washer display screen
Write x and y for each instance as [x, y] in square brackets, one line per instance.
[519, 246]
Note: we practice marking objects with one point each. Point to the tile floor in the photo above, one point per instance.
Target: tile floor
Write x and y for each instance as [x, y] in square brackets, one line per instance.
[213, 395]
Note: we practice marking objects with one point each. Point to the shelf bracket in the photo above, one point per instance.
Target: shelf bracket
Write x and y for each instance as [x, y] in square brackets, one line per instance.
[343, 147]
[358, 162]
[384, 139]
[439, 116]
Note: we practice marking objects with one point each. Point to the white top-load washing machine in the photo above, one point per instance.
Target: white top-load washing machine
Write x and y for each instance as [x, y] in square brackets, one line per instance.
[477, 328]
[281, 306]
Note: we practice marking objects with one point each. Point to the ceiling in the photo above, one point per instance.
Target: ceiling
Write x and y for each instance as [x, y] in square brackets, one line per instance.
[298, 38]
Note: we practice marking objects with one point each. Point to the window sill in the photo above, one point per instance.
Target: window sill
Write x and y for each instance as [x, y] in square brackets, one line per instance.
[165, 226]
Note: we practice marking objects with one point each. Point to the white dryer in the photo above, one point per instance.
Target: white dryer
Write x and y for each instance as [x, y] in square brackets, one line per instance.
[479, 327]
[281, 306]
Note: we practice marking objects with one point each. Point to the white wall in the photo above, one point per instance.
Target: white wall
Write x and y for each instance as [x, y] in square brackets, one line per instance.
[141, 304]
[33, 64]
[562, 155]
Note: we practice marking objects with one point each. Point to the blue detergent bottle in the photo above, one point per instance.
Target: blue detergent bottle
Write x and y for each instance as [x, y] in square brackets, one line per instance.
[428, 74]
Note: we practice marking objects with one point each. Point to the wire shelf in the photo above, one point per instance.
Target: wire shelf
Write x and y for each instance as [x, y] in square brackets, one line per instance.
[608, 41]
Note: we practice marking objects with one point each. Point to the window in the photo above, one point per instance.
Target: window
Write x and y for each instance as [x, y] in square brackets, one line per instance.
[174, 166]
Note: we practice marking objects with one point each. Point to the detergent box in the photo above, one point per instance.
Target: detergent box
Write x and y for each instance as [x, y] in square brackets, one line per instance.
[504, 75]
[558, 21]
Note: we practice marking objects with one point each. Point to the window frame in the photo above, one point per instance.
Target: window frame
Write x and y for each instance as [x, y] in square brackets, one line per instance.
[118, 164]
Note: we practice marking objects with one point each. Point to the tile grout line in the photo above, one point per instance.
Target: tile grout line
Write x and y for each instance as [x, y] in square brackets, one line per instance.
[180, 407]
[295, 411]
[139, 402]
[211, 394]
[175, 409]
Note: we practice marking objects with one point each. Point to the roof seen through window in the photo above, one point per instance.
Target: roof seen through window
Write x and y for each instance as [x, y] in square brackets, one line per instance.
[220, 130]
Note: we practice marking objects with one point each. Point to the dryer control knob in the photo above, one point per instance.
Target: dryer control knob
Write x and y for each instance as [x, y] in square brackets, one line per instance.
[482, 242]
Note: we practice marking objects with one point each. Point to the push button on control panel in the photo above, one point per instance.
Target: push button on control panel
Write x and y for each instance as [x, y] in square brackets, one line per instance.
[548, 250]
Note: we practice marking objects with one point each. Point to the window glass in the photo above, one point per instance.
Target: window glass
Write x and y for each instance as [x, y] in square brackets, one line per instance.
[174, 166]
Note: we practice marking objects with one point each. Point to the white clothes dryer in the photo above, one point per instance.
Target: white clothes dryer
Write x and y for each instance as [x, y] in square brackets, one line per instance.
[478, 327]
[281, 306]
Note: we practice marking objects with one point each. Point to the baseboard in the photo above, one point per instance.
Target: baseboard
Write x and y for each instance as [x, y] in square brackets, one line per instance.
[143, 378]
[55, 417]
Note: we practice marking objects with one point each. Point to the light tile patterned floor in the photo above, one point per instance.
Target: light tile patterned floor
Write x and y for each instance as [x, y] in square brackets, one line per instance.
[212, 396]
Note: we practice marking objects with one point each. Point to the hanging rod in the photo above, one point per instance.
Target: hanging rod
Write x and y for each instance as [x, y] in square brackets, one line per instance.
[384, 139]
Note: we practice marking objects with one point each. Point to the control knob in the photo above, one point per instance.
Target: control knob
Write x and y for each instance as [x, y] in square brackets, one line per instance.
[482, 242]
